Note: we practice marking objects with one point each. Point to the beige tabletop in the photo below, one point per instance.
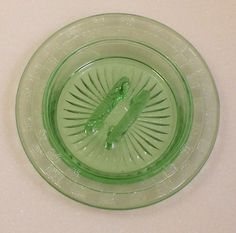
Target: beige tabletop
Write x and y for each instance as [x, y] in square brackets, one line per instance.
[207, 204]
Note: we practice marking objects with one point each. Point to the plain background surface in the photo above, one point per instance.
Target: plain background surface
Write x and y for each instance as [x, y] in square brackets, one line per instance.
[207, 204]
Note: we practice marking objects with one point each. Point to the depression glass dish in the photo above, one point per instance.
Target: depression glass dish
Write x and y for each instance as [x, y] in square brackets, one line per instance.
[117, 111]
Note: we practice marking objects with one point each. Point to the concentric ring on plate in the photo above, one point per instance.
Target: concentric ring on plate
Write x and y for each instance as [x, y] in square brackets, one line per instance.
[107, 48]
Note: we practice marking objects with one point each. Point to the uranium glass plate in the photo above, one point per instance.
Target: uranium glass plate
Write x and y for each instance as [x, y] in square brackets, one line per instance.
[117, 111]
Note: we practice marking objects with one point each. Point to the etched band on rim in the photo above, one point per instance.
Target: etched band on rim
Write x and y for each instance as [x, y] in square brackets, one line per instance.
[177, 59]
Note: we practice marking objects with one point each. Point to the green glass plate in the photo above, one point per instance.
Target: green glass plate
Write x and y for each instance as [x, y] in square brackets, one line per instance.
[117, 111]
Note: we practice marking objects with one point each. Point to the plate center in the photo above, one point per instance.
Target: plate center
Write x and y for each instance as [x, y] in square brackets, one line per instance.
[116, 115]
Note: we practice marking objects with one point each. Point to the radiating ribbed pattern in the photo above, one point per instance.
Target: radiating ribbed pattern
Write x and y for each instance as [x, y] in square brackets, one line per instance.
[147, 137]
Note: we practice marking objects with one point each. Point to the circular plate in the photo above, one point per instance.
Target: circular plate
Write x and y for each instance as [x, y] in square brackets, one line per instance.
[117, 111]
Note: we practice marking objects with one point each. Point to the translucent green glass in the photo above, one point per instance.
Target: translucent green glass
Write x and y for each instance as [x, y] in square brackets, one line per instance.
[117, 111]
[108, 101]
[116, 119]
[137, 104]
